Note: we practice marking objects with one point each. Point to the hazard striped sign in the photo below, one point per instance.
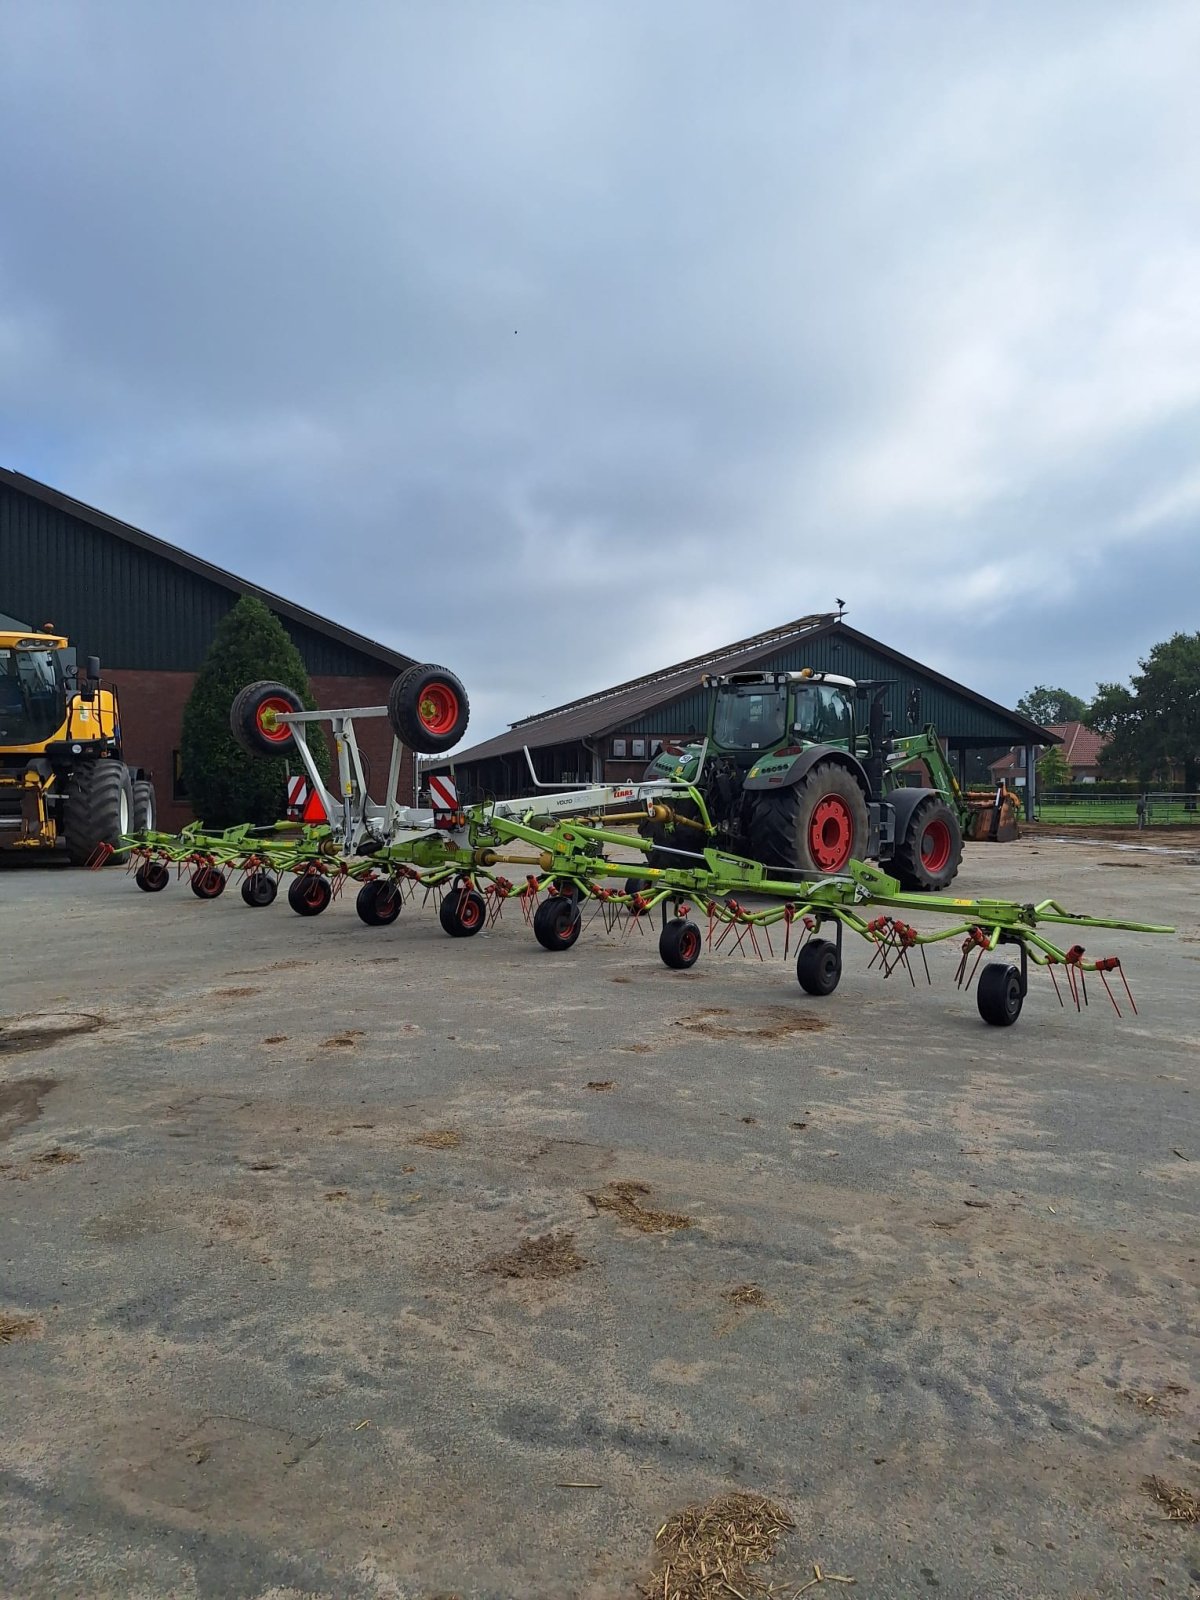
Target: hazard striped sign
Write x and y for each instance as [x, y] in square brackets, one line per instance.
[297, 793]
[444, 793]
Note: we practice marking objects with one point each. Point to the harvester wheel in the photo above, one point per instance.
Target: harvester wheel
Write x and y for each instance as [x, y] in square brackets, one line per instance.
[817, 825]
[145, 807]
[309, 894]
[99, 808]
[928, 856]
[252, 718]
[1000, 994]
[462, 913]
[378, 902]
[152, 876]
[680, 943]
[259, 888]
[428, 709]
[557, 923]
[208, 883]
[819, 967]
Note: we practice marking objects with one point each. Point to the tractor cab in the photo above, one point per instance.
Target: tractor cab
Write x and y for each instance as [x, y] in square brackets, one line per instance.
[37, 672]
[755, 712]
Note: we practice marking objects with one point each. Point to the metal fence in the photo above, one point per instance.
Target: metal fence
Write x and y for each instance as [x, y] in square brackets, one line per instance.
[1087, 804]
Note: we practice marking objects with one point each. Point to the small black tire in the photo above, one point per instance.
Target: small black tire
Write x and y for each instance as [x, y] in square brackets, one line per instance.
[462, 913]
[680, 944]
[999, 995]
[927, 858]
[259, 888]
[152, 876]
[99, 809]
[819, 967]
[309, 894]
[251, 713]
[378, 902]
[145, 806]
[557, 923]
[428, 709]
[208, 883]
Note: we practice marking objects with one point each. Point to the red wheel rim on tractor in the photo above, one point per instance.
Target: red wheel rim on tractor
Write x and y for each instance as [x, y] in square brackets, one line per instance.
[935, 845]
[438, 708]
[831, 834]
[277, 732]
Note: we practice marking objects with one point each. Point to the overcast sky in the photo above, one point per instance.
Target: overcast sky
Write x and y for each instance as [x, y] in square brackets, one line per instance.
[555, 342]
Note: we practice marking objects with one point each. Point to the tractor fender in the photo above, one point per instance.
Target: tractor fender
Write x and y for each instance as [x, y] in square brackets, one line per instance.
[781, 769]
[903, 803]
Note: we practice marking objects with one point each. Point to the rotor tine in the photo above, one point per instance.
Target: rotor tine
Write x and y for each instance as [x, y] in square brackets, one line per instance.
[1128, 990]
[925, 959]
[1054, 981]
[975, 968]
[1108, 991]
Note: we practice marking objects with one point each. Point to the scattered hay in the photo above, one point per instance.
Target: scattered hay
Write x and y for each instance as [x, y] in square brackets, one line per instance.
[343, 1041]
[57, 1158]
[778, 1022]
[1160, 1404]
[636, 1049]
[439, 1139]
[275, 1038]
[1182, 1505]
[234, 994]
[745, 1294]
[337, 1194]
[552, 1255]
[13, 1328]
[601, 1083]
[705, 1552]
[621, 1198]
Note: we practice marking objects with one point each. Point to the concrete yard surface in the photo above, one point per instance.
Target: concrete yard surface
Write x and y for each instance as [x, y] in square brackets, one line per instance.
[363, 1262]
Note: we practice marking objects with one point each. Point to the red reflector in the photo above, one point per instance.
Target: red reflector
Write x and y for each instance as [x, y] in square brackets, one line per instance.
[314, 809]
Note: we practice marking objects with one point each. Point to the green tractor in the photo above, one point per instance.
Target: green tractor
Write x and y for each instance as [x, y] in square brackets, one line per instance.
[798, 772]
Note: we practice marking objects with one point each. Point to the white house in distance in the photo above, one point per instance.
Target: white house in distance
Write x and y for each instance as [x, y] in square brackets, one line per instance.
[1080, 745]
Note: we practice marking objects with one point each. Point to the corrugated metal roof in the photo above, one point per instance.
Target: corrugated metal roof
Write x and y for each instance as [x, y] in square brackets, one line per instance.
[177, 630]
[598, 715]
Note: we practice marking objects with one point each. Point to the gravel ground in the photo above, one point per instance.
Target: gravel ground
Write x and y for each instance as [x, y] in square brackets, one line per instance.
[276, 1328]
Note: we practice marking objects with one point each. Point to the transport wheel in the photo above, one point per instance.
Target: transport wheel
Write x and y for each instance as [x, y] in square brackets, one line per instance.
[462, 913]
[208, 883]
[680, 943]
[145, 807]
[152, 876]
[636, 885]
[818, 967]
[310, 894]
[99, 808]
[928, 856]
[999, 996]
[252, 718]
[817, 825]
[428, 709]
[557, 923]
[259, 888]
[378, 903]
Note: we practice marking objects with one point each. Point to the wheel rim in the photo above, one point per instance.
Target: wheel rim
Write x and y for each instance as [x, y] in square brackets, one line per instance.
[935, 845]
[831, 834]
[438, 708]
[469, 913]
[123, 812]
[689, 944]
[313, 892]
[266, 715]
[565, 925]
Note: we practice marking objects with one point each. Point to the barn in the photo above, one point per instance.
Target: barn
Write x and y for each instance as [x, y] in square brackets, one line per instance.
[149, 609]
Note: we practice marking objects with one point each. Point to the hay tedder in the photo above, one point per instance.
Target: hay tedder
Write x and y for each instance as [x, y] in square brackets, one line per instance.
[561, 840]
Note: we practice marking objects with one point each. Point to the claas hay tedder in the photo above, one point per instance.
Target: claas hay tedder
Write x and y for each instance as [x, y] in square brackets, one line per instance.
[563, 843]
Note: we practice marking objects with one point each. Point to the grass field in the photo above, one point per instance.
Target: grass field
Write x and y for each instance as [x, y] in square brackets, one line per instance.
[1112, 811]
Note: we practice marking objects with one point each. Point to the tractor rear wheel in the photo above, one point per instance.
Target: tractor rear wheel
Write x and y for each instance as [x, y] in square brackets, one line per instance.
[817, 825]
[145, 807]
[99, 808]
[928, 856]
[428, 709]
[252, 718]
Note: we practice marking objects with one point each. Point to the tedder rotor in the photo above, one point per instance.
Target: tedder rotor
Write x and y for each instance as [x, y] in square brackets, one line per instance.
[563, 839]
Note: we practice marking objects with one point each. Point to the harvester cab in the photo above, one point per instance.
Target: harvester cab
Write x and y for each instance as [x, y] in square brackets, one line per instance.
[63, 776]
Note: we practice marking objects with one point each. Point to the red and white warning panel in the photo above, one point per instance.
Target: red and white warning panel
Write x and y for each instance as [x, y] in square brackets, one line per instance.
[443, 795]
[297, 794]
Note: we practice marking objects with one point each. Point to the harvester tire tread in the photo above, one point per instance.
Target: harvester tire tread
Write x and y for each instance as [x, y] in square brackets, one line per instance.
[428, 709]
[245, 718]
[99, 808]
[928, 857]
[781, 819]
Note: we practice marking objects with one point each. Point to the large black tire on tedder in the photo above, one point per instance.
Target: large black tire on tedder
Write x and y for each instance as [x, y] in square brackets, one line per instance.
[428, 709]
[814, 826]
[99, 808]
[929, 850]
[252, 718]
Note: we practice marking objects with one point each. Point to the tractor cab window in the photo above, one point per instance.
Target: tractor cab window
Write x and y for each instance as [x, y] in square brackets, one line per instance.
[750, 716]
[32, 695]
[823, 714]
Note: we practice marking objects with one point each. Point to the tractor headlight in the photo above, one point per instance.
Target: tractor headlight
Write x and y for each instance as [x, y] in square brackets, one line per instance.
[76, 749]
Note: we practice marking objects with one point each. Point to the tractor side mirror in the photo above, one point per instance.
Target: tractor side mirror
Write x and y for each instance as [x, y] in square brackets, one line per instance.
[913, 707]
[93, 669]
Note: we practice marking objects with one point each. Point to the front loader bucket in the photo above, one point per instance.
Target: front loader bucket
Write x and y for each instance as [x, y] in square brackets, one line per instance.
[993, 815]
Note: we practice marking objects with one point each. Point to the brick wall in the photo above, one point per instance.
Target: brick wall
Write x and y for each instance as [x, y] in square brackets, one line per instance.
[152, 717]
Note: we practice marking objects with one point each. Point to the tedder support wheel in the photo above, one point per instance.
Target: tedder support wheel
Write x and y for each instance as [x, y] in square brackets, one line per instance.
[428, 709]
[208, 883]
[145, 806]
[557, 923]
[99, 808]
[378, 902]
[152, 876]
[309, 894]
[259, 888]
[253, 714]
[818, 967]
[1000, 994]
[817, 825]
[462, 913]
[680, 943]
[928, 856]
